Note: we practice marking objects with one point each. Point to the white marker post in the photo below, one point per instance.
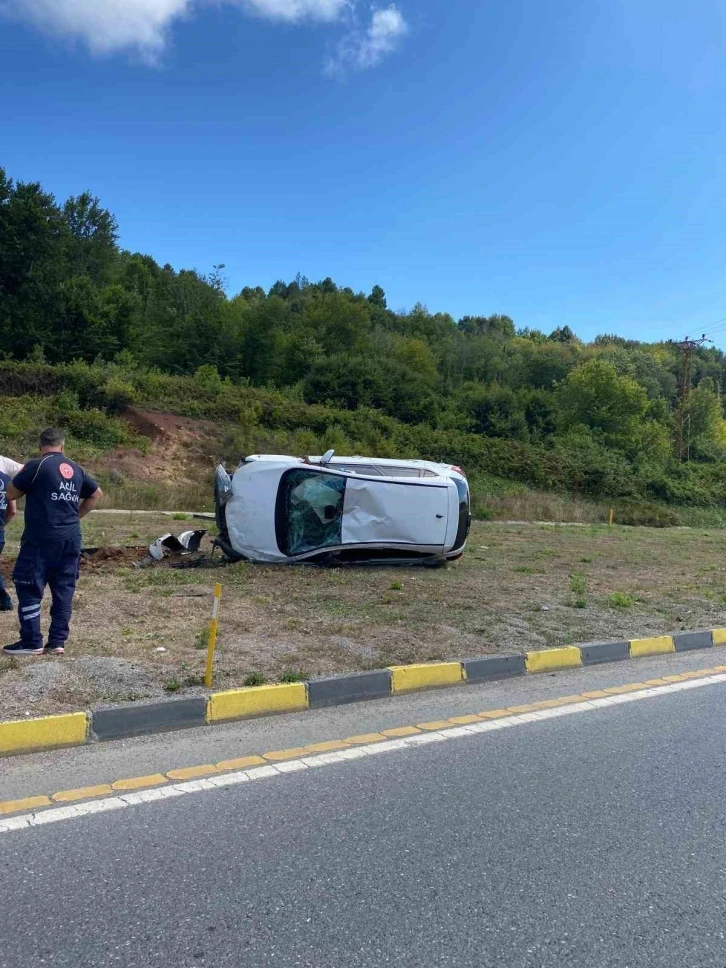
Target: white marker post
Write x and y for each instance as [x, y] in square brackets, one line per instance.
[211, 643]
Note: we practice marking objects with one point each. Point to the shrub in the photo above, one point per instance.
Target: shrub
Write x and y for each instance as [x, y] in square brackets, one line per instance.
[97, 428]
[254, 679]
[291, 676]
[621, 600]
[118, 394]
[645, 514]
[209, 380]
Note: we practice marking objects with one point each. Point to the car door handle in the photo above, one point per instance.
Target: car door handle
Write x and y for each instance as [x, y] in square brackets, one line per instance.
[439, 515]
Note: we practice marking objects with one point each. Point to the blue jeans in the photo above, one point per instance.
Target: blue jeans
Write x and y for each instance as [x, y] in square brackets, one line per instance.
[55, 564]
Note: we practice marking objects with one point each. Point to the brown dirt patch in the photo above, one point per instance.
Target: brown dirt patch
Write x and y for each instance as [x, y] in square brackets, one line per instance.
[183, 451]
[97, 559]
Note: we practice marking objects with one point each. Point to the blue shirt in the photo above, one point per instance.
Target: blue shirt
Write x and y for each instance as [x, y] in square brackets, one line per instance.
[54, 486]
[4, 481]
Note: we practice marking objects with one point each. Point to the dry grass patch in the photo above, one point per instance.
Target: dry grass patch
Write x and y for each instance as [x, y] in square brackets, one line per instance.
[137, 633]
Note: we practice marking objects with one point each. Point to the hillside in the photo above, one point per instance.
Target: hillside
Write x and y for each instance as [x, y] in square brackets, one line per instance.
[153, 441]
[96, 338]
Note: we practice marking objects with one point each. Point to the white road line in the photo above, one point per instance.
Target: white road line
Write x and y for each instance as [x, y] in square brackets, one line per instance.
[56, 814]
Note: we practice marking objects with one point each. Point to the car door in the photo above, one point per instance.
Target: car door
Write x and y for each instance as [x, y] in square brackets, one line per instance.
[406, 512]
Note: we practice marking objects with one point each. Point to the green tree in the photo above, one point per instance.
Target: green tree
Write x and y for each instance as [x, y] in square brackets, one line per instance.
[91, 241]
[495, 327]
[596, 396]
[704, 424]
[494, 411]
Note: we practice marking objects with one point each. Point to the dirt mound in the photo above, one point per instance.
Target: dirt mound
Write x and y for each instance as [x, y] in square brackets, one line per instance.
[157, 426]
[95, 558]
[183, 451]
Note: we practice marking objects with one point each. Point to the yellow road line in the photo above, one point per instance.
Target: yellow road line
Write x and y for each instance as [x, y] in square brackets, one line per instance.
[140, 782]
[365, 738]
[435, 725]
[83, 793]
[20, 806]
[331, 746]
[291, 754]
[241, 763]
[399, 731]
[192, 772]
[246, 762]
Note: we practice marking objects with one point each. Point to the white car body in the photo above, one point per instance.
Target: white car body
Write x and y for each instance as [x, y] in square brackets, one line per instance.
[278, 508]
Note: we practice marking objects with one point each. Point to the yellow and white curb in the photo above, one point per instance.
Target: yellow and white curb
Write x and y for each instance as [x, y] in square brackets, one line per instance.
[118, 722]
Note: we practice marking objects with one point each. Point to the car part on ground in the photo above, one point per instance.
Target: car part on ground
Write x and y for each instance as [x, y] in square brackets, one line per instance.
[191, 540]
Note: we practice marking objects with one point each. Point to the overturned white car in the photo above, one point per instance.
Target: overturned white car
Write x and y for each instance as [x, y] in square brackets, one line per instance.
[342, 509]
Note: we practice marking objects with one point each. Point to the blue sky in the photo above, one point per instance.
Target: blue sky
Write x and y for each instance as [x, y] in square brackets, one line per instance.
[557, 161]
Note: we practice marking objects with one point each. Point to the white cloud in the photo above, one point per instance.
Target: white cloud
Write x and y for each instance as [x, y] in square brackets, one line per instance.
[295, 10]
[143, 26]
[383, 35]
[366, 47]
[104, 25]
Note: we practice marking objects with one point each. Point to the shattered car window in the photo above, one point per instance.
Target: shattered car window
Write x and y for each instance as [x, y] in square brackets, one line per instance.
[309, 511]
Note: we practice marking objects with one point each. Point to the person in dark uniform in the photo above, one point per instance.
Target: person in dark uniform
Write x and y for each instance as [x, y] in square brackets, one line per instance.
[58, 493]
[8, 510]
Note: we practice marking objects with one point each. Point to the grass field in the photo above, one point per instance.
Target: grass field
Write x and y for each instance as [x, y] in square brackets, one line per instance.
[141, 633]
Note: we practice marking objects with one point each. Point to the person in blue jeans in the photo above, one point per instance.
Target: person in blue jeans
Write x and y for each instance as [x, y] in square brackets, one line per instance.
[8, 510]
[58, 493]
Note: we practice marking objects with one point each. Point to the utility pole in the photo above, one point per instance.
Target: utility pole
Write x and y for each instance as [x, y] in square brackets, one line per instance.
[683, 414]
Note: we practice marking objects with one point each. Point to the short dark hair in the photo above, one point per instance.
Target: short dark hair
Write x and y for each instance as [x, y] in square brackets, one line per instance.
[52, 437]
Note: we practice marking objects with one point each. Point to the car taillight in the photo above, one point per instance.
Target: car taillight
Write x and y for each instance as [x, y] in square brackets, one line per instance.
[458, 470]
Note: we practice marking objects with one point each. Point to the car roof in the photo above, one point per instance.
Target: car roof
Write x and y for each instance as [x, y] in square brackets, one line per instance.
[357, 459]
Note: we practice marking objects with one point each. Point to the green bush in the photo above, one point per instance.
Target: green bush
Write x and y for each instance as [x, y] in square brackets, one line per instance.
[118, 394]
[97, 428]
[621, 600]
[645, 514]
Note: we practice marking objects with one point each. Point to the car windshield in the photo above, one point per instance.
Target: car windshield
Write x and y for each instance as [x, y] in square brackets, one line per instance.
[309, 511]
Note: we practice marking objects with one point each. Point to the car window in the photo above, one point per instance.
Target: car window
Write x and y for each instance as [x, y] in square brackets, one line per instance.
[391, 470]
[364, 470]
[309, 511]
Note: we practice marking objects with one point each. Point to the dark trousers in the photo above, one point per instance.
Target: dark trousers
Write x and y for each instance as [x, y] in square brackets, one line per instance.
[54, 563]
[2, 580]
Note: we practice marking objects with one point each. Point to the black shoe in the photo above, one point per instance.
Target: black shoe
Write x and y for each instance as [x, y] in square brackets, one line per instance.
[6, 603]
[51, 649]
[22, 648]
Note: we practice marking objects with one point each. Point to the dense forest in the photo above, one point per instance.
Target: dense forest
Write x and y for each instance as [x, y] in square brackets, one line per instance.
[92, 328]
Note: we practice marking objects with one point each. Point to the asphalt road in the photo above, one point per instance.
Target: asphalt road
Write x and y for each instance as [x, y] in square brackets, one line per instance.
[591, 840]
